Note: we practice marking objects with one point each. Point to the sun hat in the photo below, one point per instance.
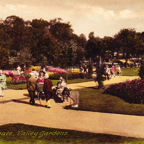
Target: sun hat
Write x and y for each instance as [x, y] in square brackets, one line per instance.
[60, 78]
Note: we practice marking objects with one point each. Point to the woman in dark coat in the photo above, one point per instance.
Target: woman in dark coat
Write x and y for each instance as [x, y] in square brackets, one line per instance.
[47, 89]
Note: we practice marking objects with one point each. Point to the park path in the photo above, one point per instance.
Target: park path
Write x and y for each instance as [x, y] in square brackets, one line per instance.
[15, 108]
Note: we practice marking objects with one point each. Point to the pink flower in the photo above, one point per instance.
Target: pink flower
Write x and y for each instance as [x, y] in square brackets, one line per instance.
[40, 80]
[27, 71]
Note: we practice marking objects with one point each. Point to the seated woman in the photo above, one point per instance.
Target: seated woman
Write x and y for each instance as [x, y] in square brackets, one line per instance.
[61, 85]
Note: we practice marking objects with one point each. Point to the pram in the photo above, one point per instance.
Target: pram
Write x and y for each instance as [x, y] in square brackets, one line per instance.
[64, 95]
[40, 93]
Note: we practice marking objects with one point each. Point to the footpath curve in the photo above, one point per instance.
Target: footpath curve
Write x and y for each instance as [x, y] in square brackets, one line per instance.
[15, 108]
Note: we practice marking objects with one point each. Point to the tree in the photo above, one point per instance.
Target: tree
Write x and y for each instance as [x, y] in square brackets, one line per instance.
[24, 57]
[93, 46]
[61, 31]
[15, 28]
[5, 44]
[129, 42]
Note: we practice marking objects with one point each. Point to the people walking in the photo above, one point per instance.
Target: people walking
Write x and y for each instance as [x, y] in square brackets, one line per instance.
[2, 83]
[31, 87]
[47, 89]
[119, 71]
[113, 71]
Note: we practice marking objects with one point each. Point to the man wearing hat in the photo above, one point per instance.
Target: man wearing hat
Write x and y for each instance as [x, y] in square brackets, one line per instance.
[31, 86]
[47, 89]
[2, 83]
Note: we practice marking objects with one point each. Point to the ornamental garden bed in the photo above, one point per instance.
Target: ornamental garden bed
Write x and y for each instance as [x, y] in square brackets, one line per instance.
[130, 91]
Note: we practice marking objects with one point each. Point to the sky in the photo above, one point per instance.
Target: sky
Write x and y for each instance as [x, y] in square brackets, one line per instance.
[103, 17]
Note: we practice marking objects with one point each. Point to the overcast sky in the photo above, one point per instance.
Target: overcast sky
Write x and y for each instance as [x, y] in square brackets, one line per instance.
[103, 17]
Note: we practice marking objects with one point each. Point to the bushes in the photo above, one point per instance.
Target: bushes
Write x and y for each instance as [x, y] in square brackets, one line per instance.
[67, 76]
[130, 91]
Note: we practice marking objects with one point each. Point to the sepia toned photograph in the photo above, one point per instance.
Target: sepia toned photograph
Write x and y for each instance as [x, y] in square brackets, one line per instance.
[72, 71]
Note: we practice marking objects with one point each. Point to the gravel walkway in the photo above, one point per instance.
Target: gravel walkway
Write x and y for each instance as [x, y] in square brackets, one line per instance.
[15, 108]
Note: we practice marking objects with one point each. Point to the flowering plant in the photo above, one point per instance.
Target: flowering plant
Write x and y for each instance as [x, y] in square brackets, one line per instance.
[8, 80]
[74, 70]
[21, 79]
[40, 80]
[57, 70]
[7, 72]
[27, 71]
[15, 80]
[35, 67]
[130, 91]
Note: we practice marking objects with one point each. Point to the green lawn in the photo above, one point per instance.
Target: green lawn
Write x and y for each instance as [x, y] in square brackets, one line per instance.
[28, 134]
[130, 71]
[54, 82]
[92, 99]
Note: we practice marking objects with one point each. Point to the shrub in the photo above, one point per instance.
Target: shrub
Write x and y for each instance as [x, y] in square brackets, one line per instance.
[67, 76]
[130, 91]
[15, 80]
[27, 76]
[21, 79]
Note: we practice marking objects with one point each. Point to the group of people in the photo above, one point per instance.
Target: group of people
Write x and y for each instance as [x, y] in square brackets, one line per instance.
[111, 71]
[47, 86]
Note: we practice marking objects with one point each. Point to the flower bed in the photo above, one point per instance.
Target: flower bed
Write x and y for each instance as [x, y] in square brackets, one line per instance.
[56, 76]
[57, 70]
[16, 80]
[130, 91]
[75, 70]
[37, 68]
[7, 72]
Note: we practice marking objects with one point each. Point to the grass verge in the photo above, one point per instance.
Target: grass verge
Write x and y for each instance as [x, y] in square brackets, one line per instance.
[92, 99]
[54, 82]
[130, 71]
[28, 134]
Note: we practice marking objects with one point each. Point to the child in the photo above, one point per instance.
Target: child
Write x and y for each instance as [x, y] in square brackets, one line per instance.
[119, 71]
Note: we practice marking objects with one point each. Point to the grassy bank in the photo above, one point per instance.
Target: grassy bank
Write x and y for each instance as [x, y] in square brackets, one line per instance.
[27, 134]
[92, 99]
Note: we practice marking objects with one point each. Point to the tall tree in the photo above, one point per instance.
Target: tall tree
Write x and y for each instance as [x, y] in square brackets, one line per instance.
[93, 46]
[129, 42]
[16, 31]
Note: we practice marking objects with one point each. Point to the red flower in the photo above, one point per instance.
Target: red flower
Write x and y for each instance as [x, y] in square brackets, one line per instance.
[131, 82]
